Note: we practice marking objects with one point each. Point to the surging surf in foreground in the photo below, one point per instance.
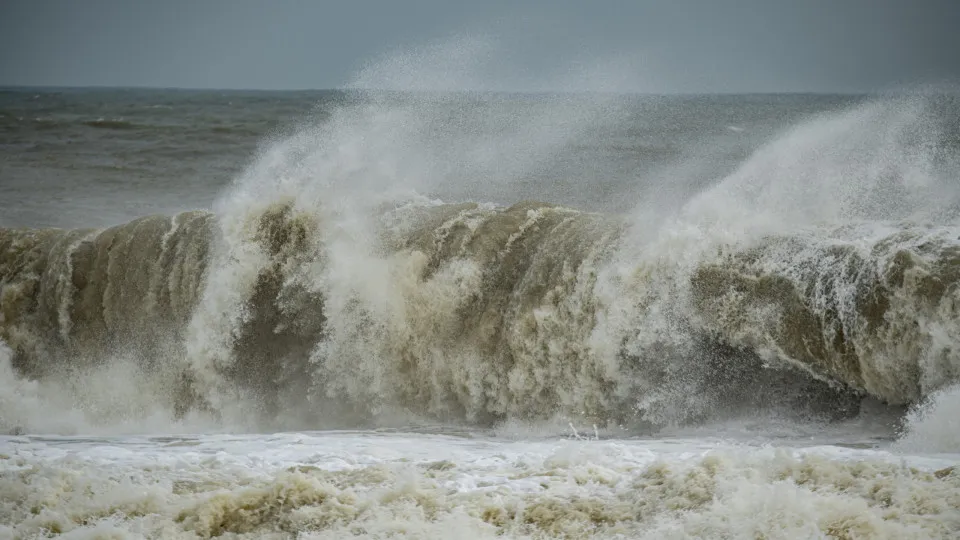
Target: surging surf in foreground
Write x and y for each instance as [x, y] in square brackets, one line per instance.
[364, 485]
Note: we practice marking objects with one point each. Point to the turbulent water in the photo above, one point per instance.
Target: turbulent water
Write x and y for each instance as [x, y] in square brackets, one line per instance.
[527, 315]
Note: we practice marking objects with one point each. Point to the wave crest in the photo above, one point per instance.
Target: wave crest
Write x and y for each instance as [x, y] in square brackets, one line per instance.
[478, 313]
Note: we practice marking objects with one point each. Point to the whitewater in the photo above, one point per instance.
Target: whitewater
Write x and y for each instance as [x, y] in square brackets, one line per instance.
[478, 315]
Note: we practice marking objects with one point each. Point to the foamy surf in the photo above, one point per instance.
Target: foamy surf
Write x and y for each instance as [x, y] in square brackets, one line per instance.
[370, 485]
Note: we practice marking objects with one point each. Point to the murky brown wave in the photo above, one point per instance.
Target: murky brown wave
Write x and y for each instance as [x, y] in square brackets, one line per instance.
[474, 313]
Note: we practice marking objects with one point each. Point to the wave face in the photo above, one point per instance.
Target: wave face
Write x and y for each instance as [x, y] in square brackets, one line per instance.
[82, 292]
[477, 313]
[822, 270]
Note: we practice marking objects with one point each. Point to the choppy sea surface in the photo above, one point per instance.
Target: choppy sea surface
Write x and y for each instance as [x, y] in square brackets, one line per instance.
[433, 315]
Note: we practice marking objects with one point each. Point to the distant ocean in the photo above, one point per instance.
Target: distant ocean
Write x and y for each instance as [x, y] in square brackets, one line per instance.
[346, 314]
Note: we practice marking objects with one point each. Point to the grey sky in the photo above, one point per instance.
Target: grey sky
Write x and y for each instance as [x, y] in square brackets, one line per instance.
[662, 46]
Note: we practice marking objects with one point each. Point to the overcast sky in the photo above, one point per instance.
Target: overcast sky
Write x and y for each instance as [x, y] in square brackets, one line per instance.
[648, 46]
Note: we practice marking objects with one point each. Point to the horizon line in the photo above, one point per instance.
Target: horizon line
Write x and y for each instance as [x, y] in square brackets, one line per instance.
[6, 87]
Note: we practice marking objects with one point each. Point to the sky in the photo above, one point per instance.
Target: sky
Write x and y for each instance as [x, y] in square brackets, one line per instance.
[641, 45]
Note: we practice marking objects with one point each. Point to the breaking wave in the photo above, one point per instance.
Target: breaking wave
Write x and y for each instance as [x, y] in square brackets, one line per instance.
[323, 291]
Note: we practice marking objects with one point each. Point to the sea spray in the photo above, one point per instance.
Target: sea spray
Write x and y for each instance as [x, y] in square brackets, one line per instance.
[932, 425]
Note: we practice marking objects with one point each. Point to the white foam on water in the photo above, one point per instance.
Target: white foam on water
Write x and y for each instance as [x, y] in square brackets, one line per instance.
[381, 485]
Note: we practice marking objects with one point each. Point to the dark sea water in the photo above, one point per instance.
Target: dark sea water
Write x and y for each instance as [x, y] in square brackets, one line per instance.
[92, 157]
[337, 314]
[112, 155]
